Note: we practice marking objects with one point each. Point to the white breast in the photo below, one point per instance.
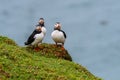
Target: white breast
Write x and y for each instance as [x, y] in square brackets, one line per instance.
[38, 38]
[58, 36]
[44, 30]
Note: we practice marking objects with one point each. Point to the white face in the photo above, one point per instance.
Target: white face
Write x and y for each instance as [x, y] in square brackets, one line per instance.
[41, 21]
[58, 26]
[38, 28]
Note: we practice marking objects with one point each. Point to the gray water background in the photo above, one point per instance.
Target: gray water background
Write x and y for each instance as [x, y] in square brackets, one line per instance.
[92, 27]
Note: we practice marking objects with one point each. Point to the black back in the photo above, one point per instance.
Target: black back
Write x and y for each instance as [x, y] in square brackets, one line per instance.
[63, 33]
[42, 25]
[31, 37]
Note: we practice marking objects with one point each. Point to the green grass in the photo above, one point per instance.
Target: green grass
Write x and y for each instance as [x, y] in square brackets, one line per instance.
[21, 63]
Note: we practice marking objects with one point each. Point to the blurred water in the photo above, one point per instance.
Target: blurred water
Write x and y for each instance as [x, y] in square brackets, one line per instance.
[92, 27]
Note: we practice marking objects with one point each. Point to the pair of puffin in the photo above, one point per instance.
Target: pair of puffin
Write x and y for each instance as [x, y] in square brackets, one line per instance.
[38, 34]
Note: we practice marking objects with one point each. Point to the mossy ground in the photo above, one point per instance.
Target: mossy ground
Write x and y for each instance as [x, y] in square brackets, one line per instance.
[50, 50]
[21, 63]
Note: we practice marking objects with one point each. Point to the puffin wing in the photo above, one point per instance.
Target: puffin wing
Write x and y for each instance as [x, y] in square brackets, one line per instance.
[64, 33]
[31, 37]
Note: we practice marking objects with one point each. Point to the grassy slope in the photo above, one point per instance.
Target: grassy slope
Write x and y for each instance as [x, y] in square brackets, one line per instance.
[17, 63]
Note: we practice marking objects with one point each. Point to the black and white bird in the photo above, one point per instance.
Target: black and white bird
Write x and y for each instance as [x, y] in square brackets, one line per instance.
[36, 37]
[58, 35]
[41, 23]
[37, 33]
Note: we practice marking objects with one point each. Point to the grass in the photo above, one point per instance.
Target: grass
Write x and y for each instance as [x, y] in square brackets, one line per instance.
[24, 63]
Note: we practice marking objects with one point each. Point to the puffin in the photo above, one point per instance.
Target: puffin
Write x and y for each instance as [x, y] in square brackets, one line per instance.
[36, 31]
[58, 35]
[41, 23]
[36, 37]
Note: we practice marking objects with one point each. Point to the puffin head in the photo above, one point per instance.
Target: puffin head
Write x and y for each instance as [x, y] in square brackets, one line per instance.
[41, 21]
[38, 28]
[57, 26]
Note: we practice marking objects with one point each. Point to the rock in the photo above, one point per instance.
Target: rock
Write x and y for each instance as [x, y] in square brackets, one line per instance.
[51, 50]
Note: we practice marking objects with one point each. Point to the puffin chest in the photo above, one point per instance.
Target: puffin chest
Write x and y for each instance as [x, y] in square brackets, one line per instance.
[57, 34]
